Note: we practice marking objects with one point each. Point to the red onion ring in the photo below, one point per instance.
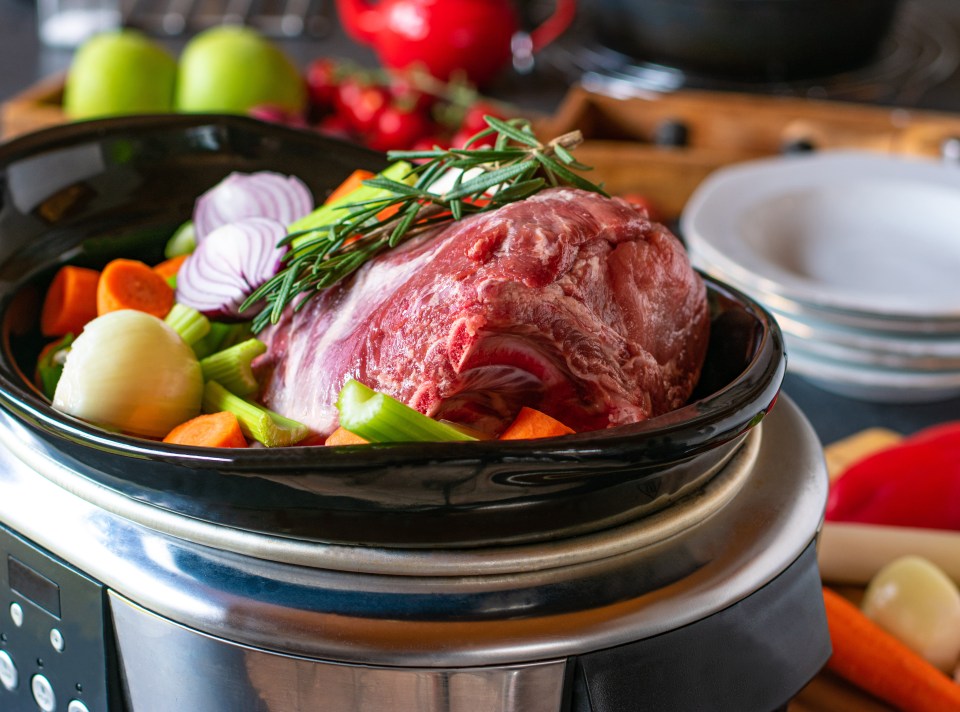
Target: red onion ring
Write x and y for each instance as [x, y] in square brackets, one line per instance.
[245, 195]
[229, 265]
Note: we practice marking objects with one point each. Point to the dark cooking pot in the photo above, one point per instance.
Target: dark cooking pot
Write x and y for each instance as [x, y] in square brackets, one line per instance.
[89, 192]
[766, 40]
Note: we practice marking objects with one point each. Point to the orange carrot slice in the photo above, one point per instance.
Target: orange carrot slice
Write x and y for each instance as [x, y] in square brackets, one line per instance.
[875, 661]
[388, 212]
[209, 430]
[342, 436]
[531, 423]
[70, 302]
[169, 268]
[130, 284]
[350, 184]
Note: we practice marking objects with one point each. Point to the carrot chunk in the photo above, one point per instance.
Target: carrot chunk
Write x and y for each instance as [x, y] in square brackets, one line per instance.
[350, 184]
[209, 430]
[388, 212]
[878, 663]
[169, 268]
[531, 423]
[342, 436]
[130, 284]
[70, 302]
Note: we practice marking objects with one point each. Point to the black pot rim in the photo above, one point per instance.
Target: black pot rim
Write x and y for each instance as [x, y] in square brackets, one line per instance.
[585, 462]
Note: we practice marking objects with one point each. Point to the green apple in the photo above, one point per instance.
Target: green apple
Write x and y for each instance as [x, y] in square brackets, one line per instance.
[232, 69]
[119, 72]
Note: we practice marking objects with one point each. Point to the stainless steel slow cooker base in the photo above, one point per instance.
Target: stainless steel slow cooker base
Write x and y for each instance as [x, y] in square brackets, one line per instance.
[711, 604]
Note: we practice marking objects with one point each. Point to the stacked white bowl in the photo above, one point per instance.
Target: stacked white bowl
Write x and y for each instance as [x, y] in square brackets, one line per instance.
[858, 257]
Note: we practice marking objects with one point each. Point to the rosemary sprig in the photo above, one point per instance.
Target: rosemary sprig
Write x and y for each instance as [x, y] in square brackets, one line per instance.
[516, 167]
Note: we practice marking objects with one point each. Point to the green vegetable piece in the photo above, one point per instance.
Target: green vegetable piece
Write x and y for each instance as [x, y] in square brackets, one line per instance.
[400, 172]
[378, 418]
[183, 241]
[221, 336]
[264, 426]
[231, 367]
[188, 322]
[50, 365]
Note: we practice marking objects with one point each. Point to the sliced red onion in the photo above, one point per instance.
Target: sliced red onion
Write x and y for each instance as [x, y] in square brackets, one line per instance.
[229, 265]
[246, 195]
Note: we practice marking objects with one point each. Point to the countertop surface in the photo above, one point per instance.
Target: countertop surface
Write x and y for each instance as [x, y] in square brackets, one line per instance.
[24, 60]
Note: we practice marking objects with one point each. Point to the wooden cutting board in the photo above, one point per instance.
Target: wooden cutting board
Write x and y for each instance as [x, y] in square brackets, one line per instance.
[36, 108]
[625, 137]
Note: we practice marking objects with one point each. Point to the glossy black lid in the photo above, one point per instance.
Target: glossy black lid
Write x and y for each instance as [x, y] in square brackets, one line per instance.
[88, 192]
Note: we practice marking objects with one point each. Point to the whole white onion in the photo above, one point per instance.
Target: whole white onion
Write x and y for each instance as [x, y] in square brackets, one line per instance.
[129, 371]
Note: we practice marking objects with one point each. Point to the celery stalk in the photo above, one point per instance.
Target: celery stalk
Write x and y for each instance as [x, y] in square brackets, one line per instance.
[231, 367]
[221, 336]
[378, 418]
[183, 241]
[260, 424]
[328, 213]
[188, 322]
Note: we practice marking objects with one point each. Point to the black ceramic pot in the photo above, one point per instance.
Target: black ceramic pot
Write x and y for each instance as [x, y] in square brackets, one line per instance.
[763, 40]
[89, 192]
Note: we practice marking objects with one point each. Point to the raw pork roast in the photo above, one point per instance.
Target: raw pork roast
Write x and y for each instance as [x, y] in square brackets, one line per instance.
[569, 302]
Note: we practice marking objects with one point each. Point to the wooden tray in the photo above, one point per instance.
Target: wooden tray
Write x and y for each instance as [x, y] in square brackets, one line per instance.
[36, 108]
[723, 128]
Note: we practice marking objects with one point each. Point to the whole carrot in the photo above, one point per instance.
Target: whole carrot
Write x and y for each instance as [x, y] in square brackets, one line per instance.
[878, 663]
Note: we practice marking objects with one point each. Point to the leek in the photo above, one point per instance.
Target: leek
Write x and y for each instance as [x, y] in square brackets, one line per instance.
[264, 426]
[231, 367]
[188, 322]
[378, 418]
[327, 214]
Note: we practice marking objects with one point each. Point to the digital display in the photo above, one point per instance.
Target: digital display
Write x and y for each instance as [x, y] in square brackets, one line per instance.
[34, 587]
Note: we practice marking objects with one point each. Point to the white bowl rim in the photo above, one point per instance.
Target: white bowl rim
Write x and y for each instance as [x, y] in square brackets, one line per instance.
[710, 218]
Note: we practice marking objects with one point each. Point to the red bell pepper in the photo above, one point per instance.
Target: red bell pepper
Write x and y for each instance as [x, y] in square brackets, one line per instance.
[915, 483]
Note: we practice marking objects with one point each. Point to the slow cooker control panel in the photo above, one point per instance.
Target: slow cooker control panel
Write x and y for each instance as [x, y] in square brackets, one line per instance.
[54, 642]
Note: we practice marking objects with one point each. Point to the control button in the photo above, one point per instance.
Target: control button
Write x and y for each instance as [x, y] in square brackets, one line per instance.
[8, 671]
[77, 706]
[43, 693]
[16, 614]
[56, 640]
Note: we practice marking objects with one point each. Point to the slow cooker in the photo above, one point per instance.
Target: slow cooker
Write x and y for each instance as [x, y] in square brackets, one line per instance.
[666, 565]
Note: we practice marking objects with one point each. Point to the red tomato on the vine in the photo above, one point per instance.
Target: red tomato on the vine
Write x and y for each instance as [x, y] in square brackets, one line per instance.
[473, 121]
[322, 82]
[397, 128]
[360, 103]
